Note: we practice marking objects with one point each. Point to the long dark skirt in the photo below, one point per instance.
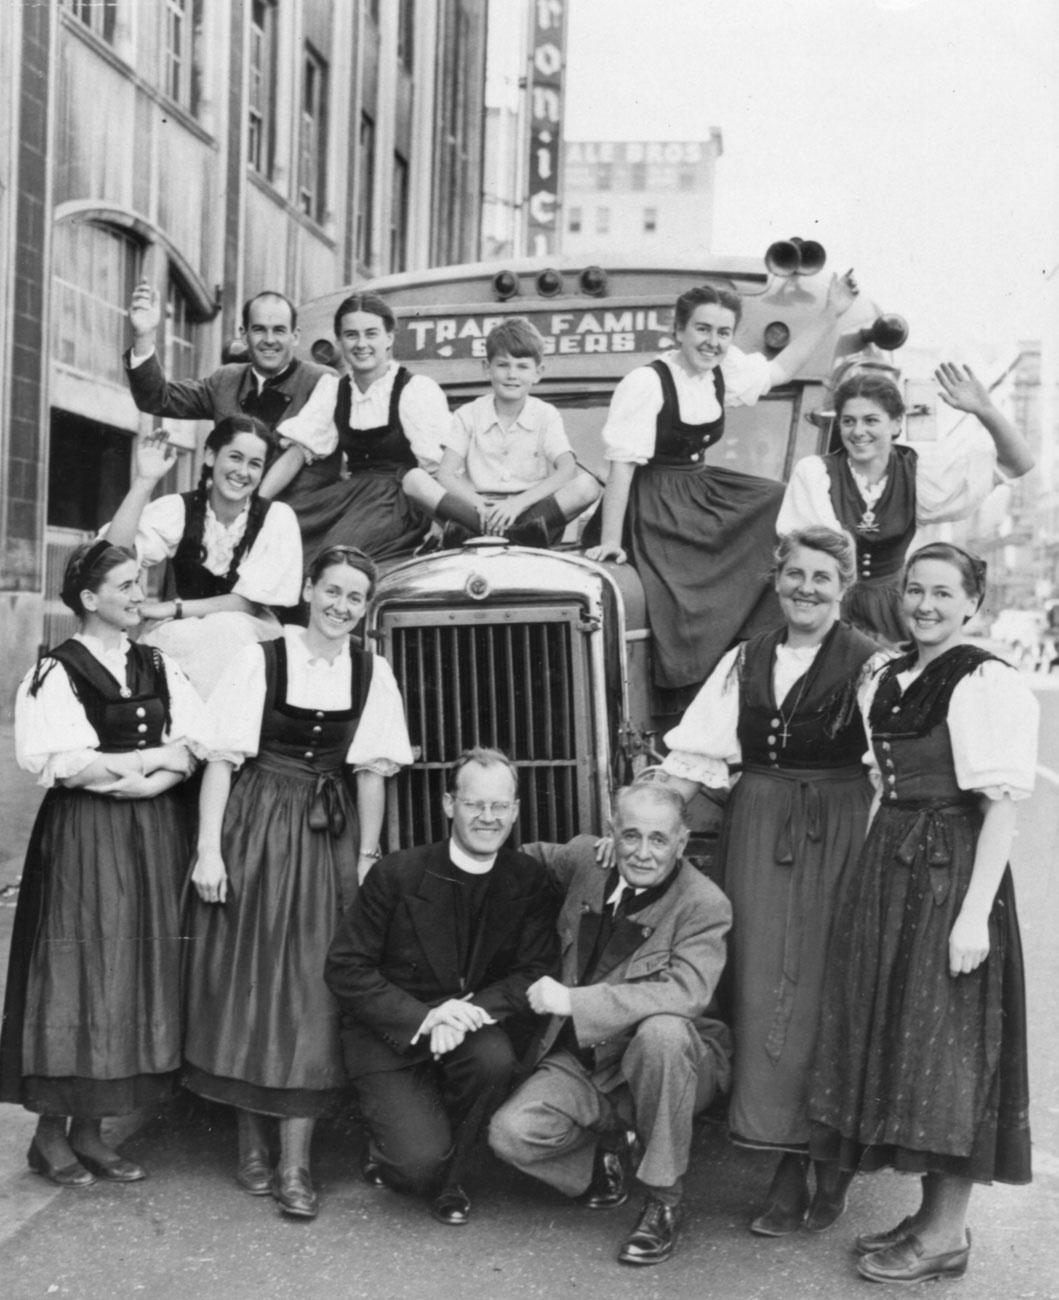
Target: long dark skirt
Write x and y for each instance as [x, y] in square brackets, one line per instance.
[262, 1024]
[791, 841]
[92, 1009]
[368, 510]
[917, 1068]
[701, 541]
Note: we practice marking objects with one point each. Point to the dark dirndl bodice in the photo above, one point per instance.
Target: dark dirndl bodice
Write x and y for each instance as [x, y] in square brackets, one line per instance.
[884, 534]
[133, 716]
[187, 575]
[676, 442]
[818, 725]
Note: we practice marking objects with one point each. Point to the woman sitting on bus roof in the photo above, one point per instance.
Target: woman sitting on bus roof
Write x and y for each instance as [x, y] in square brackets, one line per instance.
[699, 535]
[233, 555]
[356, 438]
[508, 468]
[882, 493]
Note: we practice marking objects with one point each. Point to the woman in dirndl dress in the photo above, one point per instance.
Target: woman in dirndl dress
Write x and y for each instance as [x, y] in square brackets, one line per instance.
[783, 708]
[349, 448]
[883, 492]
[315, 725]
[232, 555]
[92, 1010]
[921, 1060]
[700, 536]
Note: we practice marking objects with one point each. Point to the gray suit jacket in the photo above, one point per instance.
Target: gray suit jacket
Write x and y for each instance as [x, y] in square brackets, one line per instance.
[673, 958]
[221, 394]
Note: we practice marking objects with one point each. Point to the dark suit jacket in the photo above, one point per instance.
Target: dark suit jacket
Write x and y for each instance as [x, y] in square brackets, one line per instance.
[665, 959]
[220, 394]
[394, 956]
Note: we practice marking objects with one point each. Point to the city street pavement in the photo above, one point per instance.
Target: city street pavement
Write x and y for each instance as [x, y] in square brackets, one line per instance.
[190, 1231]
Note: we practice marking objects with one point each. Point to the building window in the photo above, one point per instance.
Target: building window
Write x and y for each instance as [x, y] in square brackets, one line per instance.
[183, 26]
[99, 16]
[603, 221]
[399, 215]
[604, 176]
[686, 178]
[573, 223]
[88, 471]
[365, 190]
[96, 268]
[312, 143]
[650, 220]
[638, 176]
[180, 352]
[405, 33]
[262, 87]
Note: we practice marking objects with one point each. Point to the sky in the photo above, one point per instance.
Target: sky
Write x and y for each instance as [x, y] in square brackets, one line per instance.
[917, 140]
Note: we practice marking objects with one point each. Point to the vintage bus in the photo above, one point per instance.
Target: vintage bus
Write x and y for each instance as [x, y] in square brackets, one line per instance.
[546, 654]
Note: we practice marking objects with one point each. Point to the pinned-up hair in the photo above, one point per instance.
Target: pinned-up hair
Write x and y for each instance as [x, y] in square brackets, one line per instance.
[86, 570]
[705, 295]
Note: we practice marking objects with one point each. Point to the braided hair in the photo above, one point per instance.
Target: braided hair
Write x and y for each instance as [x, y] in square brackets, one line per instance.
[86, 569]
[191, 548]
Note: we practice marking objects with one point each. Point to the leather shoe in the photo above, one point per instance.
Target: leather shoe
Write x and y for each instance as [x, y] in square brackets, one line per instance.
[655, 1235]
[254, 1174]
[71, 1175]
[906, 1262]
[608, 1189]
[776, 1221]
[294, 1190]
[824, 1210]
[452, 1206]
[117, 1170]
[873, 1241]
[372, 1171]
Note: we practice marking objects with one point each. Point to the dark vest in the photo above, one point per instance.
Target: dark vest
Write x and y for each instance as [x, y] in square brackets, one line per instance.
[677, 443]
[883, 543]
[188, 577]
[824, 728]
[135, 716]
[385, 447]
[318, 738]
[272, 402]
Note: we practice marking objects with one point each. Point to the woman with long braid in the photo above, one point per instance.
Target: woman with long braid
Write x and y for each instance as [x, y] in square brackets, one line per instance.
[233, 555]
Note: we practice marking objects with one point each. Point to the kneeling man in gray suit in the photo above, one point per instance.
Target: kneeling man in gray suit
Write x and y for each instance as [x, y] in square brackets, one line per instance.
[631, 1052]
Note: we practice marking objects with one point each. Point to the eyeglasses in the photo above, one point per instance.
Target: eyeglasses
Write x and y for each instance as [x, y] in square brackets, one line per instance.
[482, 809]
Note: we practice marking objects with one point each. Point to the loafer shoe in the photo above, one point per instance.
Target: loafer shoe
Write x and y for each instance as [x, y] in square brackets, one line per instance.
[873, 1241]
[254, 1175]
[294, 1190]
[655, 1236]
[452, 1206]
[116, 1170]
[906, 1262]
[71, 1175]
[372, 1172]
[775, 1221]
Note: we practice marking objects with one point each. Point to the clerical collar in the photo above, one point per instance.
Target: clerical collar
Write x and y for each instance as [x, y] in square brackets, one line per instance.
[462, 859]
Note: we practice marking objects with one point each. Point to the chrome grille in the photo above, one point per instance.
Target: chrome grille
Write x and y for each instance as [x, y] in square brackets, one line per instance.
[512, 678]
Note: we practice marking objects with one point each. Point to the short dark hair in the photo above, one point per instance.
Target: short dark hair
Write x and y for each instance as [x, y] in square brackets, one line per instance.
[484, 757]
[972, 568]
[270, 293]
[86, 570]
[830, 541]
[352, 557]
[515, 337]
[370, 303]
[873, 387]
[705, 295]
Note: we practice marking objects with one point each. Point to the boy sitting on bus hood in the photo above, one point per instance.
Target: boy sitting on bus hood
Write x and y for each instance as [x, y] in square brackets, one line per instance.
[508, 469]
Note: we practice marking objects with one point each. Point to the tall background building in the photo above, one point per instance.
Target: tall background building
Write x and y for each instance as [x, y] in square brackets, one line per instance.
[216, 147]
[643, 196]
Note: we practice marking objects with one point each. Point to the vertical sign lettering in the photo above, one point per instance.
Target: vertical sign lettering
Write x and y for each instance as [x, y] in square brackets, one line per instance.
[545, 109]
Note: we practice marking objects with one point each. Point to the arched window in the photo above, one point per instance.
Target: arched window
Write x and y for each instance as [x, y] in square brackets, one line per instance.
[96, 268]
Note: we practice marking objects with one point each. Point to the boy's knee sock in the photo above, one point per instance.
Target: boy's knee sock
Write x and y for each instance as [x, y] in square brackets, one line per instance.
[457, 508]
[548, 512]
